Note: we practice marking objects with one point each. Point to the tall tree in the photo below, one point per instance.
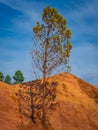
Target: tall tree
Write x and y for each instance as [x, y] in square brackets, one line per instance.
[18, 77]
[8, 79]
[1, 76]
[51, 48]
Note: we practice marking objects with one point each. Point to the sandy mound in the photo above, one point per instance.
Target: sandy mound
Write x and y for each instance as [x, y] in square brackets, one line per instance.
[77, 106]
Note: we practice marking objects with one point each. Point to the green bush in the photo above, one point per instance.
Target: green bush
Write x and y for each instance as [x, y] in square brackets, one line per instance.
[1, 76]
[8, 79]
[18, 77]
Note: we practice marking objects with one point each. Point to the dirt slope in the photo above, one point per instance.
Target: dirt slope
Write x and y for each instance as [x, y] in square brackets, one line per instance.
[9, 118]
[77, 106]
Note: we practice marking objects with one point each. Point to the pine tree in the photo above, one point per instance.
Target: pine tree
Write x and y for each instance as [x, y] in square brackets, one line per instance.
[1, 76]
[51, 48]
[8, 79]
[18, 77]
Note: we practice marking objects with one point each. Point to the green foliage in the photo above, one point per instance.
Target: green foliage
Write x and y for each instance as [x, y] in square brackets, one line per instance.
[1, 76]
[18, 77]
[8, 79]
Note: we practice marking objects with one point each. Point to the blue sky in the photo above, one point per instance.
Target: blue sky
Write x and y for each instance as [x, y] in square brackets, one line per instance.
[17, 17]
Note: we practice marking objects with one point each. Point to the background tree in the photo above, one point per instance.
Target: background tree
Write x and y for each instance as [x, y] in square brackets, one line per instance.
[7, 79]
[51, 48]
[1, 76]
[18, 77]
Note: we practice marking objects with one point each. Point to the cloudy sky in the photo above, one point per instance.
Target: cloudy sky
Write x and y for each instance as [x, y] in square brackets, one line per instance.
[17, 17]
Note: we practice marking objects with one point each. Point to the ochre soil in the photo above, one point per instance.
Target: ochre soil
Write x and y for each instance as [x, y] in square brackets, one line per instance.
[77, 107]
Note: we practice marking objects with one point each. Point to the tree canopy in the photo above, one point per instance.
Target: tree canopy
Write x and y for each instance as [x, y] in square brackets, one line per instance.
[7, 79]
[18, 77]
[1, 76]
[51, 41]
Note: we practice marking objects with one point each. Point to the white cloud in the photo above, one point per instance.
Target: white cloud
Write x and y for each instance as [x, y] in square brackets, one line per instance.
[84, 61]
[77, 19]
[29, 15]
[27, 8]
[90, 8]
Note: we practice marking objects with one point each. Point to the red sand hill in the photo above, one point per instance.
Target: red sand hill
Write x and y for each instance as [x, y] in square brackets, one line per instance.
[77, 106]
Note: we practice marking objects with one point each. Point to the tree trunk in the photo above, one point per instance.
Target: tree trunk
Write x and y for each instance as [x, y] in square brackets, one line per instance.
[44, 82]
[32, 105]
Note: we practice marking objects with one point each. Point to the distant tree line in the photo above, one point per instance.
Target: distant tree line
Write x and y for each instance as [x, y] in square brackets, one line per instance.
[18, 77]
